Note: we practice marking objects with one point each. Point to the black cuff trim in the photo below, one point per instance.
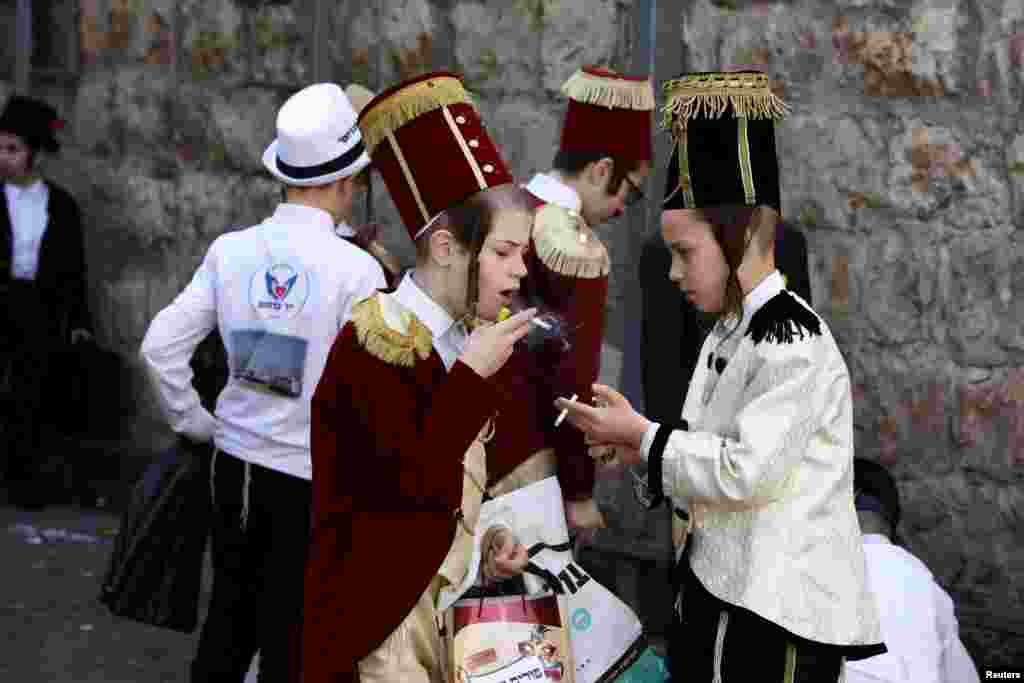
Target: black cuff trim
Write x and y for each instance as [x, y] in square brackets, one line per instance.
[655, 460]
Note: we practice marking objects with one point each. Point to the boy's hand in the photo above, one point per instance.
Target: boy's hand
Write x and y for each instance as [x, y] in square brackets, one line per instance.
[490, 346]
[611, 421]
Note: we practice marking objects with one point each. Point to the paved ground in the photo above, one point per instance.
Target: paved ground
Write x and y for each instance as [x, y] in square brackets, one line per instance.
[52, 628]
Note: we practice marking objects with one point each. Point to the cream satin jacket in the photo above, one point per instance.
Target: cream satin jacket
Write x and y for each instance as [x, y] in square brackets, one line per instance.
[766, 470]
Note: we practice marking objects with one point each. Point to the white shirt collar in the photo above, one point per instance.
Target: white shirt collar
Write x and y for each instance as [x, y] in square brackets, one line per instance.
[554, 191]
[343, 229]
[16, 191]
[287, 212]
[430, 313]
[760, 295]
[877, 539]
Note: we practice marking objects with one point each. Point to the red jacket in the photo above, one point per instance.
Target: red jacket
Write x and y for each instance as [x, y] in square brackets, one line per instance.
[582, 302]
[387, 446]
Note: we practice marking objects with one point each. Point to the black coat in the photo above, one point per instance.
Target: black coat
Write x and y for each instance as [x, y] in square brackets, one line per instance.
[60, 278]
[674, 329]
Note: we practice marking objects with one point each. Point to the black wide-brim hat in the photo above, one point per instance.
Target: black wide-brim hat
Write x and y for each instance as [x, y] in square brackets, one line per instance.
[723, 130]
[33, 121]
[875, 490]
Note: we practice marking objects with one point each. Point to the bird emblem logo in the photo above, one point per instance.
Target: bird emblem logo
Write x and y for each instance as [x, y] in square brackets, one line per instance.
[277, 289]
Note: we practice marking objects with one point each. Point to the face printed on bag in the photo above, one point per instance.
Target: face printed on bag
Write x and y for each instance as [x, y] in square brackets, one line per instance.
[14, 156]
[698, 267]
[503, 555]
[501, 261]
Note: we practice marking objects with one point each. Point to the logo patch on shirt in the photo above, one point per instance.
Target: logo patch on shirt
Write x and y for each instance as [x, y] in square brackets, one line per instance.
[278, 292]
[271, 362]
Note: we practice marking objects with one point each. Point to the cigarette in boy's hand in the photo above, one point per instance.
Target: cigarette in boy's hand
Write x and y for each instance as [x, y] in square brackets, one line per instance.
[565, 411]
[540, 323]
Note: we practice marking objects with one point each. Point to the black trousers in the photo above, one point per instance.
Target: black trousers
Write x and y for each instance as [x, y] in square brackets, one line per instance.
[258, 573]
[28, 340]
[712, 635]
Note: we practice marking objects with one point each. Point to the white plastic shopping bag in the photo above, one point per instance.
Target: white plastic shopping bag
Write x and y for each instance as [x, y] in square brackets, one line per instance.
[564, 608]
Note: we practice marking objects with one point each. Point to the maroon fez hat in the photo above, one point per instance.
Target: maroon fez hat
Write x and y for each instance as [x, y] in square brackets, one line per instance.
[426, 139]
[608, 112]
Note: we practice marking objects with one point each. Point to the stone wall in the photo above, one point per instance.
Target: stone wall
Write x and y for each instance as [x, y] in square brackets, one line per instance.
[168, 115]
[903, 160]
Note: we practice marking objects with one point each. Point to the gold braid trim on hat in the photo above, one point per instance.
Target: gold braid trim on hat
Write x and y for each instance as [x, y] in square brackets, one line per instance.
[404, 105]
[566, 244]
[709, 95]
[611, 92]
[379, 336]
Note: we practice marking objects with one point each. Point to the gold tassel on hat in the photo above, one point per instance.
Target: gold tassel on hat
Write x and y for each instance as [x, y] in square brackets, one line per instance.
[610, 91]
[387, 115]
[709, 95]
[566, 245]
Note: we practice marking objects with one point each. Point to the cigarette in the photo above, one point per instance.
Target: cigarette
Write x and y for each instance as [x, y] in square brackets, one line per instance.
[565, 411]
[540, 323]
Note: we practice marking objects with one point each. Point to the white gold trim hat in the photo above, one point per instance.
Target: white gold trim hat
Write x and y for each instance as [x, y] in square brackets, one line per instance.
[318, 140]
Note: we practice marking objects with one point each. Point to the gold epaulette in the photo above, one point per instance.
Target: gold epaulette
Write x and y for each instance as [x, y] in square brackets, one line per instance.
[566, 244]
[390, 332]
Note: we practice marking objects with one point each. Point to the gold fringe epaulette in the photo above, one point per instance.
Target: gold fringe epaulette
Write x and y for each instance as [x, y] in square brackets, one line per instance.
[609, 91]
[709, 95]
[388, 114]
[566, 244]
[390, 332]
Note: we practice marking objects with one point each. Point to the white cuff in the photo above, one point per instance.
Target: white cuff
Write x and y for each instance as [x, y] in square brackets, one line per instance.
[645, 443]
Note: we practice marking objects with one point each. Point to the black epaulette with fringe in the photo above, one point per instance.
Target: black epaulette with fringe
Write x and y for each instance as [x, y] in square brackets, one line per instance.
[783, 320]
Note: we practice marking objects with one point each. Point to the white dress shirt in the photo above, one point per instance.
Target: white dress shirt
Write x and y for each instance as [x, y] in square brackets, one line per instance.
[449, 335]
[27, 207]
[919, 623]
[552, 190]
[279, 292]
[766, 471]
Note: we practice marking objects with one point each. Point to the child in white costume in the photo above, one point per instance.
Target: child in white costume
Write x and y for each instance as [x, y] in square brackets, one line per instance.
[772, 580]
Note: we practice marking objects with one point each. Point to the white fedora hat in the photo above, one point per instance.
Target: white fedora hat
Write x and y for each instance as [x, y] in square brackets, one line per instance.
[318, 140]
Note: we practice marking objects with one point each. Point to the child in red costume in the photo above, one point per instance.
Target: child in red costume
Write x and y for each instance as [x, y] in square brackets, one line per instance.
[404, 411]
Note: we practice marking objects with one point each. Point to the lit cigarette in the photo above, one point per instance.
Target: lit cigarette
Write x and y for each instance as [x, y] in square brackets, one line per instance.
[565, 411]
[540, 323]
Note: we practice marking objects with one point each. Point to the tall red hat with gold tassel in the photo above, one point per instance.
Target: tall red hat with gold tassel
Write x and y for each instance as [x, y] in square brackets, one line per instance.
[608, 112]
[430, 146]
